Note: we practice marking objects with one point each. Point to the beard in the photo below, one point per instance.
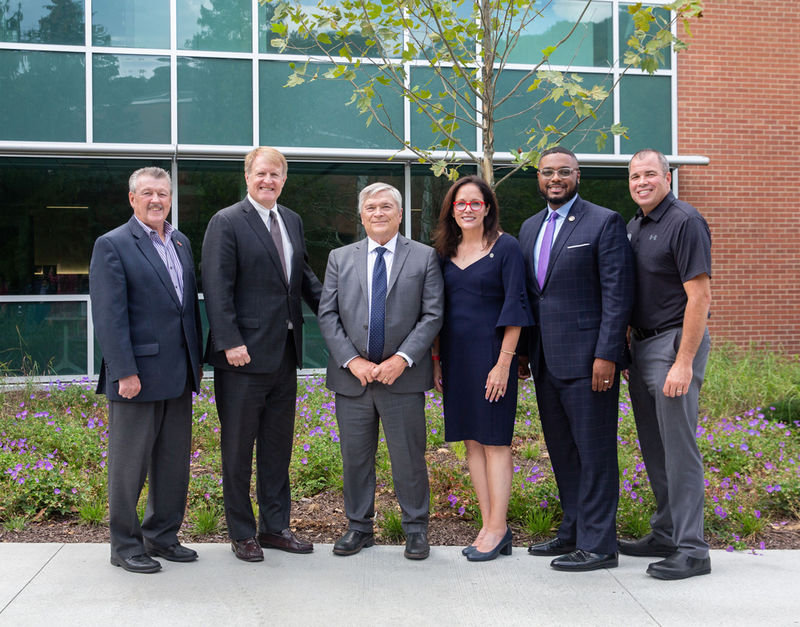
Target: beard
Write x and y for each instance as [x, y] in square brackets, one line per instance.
[567, 197]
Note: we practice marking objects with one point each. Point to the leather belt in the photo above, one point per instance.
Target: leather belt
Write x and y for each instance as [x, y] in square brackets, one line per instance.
[643, 334]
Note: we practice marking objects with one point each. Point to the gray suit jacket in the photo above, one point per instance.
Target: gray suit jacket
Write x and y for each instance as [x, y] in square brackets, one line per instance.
[414, 308]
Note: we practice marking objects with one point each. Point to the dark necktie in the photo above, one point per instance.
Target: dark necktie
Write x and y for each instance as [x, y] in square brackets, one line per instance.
[378, 308]
[544, 251]
[275, 232]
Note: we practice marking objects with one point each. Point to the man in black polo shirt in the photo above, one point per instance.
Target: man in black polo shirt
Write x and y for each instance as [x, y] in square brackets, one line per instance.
[669, 346]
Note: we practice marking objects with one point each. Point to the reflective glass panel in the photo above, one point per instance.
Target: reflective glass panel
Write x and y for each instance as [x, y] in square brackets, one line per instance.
[545, 23]
[646, 109]
[512, 133]
[316, 114]
[389, 42]
[441, 105]
[131, 99]
[626, 30]
[215, 101]
[43, 338]
[51, 211]
[42, 96]
[215, 25]
[42, 21]
[130, 23]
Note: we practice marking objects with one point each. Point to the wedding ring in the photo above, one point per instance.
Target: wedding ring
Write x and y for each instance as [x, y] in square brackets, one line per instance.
[606, 381]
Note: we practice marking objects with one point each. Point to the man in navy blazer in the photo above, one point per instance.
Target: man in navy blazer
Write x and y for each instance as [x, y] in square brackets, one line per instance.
[579, 268]
[255, 275]
[147, 320]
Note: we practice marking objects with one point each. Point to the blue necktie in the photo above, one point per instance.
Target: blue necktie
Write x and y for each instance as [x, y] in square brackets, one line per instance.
[378, 308]
[544, 251]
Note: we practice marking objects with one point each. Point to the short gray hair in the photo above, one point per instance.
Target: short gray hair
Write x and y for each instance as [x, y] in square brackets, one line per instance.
[651, 151]
[376, 188]
[152, 171]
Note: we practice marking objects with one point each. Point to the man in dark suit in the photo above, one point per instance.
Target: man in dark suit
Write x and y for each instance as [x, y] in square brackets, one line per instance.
[580, 283]
[380, 311]
[147, 320]
[255, 273]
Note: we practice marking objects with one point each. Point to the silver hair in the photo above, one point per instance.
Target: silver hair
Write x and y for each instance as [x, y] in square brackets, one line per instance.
[152, 171]
[651, 151]
[376, 188]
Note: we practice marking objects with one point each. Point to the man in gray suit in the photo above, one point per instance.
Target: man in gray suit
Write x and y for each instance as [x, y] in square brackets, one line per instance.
[381, 308]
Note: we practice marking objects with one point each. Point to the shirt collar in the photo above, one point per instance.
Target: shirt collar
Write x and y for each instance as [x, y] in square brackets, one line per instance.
[259, 206]
[390, 245]
[563, 210]
[656, 214]
[168, 228]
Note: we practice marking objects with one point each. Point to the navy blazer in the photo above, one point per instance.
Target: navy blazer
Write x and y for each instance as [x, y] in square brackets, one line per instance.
[583, 309]
[248, 300]
[140, 323]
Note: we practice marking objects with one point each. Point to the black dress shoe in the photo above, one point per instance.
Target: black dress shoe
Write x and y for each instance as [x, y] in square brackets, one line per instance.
[285, 541]
[136, 563]
[580, 560]
[648, 546]
[417, 547]
[679, 566]
[502, 548]
[173, 553]
[247, 550]
[556, 546]
[352, 542]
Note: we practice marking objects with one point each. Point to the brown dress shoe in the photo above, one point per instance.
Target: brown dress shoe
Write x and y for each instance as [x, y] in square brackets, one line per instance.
[247, 550]
[285, 541]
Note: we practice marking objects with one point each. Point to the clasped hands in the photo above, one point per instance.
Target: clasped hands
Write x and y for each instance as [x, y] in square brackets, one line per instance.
[385, 372]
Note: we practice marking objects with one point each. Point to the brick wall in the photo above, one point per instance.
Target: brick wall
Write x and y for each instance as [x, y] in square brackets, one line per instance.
[738, 92]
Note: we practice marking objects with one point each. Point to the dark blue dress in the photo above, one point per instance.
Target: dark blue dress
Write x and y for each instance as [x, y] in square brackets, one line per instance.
[480, 301]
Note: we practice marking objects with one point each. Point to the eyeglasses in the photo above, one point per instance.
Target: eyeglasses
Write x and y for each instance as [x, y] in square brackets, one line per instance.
[475, 205]
[563, 173]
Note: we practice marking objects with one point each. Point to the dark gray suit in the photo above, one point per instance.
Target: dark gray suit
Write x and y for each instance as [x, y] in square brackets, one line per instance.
[144, 329]
[414, 308]
[249, 302]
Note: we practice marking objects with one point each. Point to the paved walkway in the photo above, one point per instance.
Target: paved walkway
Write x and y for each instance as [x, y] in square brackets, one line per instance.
[74, 584]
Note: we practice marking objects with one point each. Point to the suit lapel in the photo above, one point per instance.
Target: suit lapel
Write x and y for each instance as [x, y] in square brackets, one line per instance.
[574, 217]
[538, 220]
[400, 256]
[260, 229]
[360, 252]
[294, 238]
[149, 252]
[187, 264]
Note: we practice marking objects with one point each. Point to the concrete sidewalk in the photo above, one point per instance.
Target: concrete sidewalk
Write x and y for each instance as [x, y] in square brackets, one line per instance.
[74, 584]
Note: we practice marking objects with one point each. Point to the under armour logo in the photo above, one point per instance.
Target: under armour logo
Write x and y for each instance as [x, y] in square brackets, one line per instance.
[652, 237]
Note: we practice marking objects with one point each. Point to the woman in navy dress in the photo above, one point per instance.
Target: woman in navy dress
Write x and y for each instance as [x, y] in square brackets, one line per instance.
[476, 365]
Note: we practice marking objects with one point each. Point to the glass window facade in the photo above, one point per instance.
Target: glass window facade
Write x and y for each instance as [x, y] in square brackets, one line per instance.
[194, 91]
[130, 23]
[215, 101]
[42, 96]
[42, 21]
[131, 99]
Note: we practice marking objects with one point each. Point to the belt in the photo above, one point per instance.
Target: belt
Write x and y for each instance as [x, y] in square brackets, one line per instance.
[643, 334]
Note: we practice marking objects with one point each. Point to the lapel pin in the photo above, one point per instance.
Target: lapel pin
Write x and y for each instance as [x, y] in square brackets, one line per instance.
[178, 243]
[491, 255]
[571, 218]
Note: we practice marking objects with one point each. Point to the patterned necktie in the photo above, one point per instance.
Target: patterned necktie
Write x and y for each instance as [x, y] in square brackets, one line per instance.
[378, 308]
[275, 232]
[544, 251]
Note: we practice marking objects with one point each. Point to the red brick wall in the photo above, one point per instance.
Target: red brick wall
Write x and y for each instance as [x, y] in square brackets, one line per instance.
[738, 92]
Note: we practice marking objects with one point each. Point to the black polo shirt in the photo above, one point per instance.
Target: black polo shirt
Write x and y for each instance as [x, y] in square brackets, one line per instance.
[671, 245]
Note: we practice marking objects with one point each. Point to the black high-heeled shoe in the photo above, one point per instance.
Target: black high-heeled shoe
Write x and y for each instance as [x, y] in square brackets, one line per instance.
[503, 548]
[468, 549]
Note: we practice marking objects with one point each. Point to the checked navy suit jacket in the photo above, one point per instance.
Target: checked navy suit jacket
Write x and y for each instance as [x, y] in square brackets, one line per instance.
[583, 309]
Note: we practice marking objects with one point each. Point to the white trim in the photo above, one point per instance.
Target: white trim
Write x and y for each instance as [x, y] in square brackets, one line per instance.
[298, 153]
